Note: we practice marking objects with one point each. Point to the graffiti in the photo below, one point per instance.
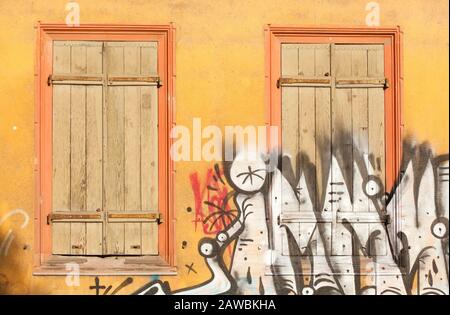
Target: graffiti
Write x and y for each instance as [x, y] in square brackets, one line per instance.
[5, 244]
[73, 16]
[357, 240]
[97, 286]
[212, 208]
[190, 268]
[373, 17]
[73, 274]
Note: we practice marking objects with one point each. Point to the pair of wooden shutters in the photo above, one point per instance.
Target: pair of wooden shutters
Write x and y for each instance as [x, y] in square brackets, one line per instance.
[105, 148]
[333, 106]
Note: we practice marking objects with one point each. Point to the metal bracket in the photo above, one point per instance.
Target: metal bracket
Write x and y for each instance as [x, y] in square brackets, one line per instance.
[159, 83]
[159, 219]
[74, 217]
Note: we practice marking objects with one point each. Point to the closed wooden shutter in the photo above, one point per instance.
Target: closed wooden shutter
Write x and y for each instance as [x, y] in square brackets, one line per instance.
[333, 129]
[105, 148]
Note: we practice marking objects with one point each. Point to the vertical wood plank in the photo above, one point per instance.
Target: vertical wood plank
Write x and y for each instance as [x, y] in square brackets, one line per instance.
[114, 167]
[377, 132]
[78, 166]
[94, 58]
[132, 150]
[342, 61]
[149, 238]
[149, 64]
[94, 164]
[61, 166]
[289, 105]
[359, 128]
[61, 150]
[94, 142]
[376, 112]
[149, 164]
[306, 60]
[323, 143]
[375, 61]
[61, 57]
[306, 114]
[78, 57]
[78, 65]
[114, 184]
[323, 123]
[94, 133]
[307, 133]
[342, 146]
[149, 150]
[132, 167]
[78, 148]
[361, 143]
[322, 60]
[94, 239]
[359, 61]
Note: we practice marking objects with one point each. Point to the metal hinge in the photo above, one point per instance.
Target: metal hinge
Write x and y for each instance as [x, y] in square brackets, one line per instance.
[74, 217]
[134, 217]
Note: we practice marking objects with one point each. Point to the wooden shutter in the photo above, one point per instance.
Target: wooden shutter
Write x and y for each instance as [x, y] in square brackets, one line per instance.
[105, 144]
[333, 115]
[131, 148]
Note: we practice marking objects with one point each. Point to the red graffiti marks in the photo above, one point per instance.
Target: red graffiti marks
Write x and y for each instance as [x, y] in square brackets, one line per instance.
[212, 206]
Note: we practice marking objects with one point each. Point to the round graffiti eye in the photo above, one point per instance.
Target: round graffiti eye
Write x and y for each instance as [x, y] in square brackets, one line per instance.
[248, 173]
[372, 186]
[439, 228]
[307, 291]
[208, 247]
[222, 237]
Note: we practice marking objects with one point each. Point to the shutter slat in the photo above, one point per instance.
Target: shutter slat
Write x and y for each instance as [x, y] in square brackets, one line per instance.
[61, 152]
[78, 150]
[149, 150]
[132, 151]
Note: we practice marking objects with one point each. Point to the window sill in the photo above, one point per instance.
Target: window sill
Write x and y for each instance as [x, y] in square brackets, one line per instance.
[106, 266]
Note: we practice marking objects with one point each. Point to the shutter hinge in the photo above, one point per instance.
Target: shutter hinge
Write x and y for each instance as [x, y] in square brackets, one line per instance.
[386, 84]
[74, 217]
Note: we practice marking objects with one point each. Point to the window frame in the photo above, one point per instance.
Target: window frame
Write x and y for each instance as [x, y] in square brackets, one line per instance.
[391, 37]
[276, 35]
[46, 34]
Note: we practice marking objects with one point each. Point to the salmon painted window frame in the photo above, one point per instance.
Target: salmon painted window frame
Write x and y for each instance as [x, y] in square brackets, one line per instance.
[391, 37]
[46, 34]
[392, 40]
